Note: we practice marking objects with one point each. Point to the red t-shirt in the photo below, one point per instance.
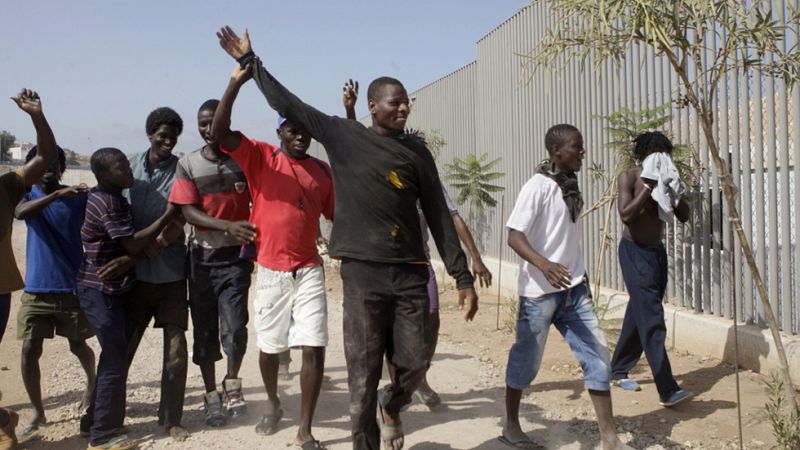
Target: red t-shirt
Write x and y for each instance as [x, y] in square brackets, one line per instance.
[288, 197]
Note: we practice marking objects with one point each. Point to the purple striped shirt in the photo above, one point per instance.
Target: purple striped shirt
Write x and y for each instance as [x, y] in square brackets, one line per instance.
[108, 217]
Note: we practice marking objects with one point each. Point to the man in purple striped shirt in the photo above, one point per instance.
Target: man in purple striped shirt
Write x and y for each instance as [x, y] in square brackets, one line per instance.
[108, 234]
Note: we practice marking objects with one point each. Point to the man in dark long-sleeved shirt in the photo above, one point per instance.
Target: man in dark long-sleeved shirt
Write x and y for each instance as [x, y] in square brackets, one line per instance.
[378, 174]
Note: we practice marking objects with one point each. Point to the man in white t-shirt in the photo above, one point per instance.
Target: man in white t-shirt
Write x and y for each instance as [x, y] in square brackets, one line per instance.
[545, 233]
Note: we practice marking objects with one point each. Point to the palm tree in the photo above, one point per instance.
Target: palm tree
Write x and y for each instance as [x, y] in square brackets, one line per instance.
[472, 178]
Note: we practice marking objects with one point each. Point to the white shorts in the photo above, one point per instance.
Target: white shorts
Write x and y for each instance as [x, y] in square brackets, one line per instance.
[291, 309]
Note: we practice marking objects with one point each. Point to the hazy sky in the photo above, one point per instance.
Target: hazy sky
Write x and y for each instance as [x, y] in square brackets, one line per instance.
[102, 66]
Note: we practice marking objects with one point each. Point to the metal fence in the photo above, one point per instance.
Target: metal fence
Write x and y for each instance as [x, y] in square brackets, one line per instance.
[495, 105]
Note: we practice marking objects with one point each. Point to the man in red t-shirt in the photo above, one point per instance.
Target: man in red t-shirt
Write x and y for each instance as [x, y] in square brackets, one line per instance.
[290, 191]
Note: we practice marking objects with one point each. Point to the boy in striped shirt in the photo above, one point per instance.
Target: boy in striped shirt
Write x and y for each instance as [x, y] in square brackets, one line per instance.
[108, 234]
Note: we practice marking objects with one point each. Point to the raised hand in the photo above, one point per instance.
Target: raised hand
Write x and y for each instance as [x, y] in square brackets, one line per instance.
[233, 45]
[28, 101]
[350, 94]
[468, 295]
[240, 74]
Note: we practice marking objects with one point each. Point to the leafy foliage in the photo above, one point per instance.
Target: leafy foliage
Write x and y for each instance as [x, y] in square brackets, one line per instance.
[703, 41]
[7, 141]
[473, 179]
[432, 139]
[785, 422]
[623, 127]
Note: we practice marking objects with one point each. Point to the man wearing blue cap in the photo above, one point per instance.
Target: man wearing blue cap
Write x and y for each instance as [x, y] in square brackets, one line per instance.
[290, 190]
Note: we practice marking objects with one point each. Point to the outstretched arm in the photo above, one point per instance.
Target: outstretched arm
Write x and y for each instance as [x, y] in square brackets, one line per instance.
[30, 208]
[442, 229]
[143, 238]
[221, 125]
[278, 97]
[242, 230]
[349, 98]
[29, 101]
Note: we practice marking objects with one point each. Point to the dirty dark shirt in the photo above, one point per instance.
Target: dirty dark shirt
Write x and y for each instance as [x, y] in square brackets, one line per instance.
[377, 180]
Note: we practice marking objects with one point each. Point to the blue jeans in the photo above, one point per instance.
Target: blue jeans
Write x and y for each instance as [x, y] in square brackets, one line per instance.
[572, 312]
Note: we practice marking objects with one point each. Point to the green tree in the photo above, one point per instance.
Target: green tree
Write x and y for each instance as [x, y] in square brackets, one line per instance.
[473, 178]
[73, 159]
[7, 140]
[703, 41]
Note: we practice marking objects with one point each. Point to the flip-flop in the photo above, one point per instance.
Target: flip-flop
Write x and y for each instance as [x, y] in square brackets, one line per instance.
[269, 423]
[389, 432]
[311, 445]
[526, 443]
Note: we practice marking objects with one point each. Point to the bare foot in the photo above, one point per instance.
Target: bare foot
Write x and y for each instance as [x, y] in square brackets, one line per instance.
[614, 443]
[178, 433]
[33, 425]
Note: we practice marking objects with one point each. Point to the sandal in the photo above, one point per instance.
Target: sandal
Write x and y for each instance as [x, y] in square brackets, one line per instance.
[390, 432]
[269, 423]
[311, 445]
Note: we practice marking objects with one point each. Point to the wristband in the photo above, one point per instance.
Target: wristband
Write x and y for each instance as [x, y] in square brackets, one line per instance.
[245, 59]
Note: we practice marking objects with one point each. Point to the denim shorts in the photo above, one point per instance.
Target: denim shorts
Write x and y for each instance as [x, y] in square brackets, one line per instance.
[572, 312]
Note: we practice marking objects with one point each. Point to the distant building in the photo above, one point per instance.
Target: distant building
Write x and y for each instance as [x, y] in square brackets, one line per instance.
[19, 152]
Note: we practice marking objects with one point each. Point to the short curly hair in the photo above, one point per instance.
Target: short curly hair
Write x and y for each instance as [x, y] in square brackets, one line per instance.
[163, 116]
[651, 142]
[557, 135]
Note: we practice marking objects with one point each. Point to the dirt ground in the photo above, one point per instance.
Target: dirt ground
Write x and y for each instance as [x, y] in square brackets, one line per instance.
[468, 373]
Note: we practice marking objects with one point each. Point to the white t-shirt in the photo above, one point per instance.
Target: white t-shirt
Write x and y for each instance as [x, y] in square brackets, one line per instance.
[542, 216]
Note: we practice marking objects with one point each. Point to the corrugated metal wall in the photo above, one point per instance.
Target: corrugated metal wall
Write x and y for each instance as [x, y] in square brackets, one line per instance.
[495, 105]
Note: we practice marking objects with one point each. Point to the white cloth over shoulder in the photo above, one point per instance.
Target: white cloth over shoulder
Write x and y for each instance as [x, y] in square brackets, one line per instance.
[659, 167]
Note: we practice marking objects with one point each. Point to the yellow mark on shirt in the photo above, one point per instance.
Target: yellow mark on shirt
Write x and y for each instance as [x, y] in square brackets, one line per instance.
[395, 180]
[395, 230]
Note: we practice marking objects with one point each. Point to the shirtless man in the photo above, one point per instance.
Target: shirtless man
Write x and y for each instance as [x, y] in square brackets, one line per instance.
[643, 260]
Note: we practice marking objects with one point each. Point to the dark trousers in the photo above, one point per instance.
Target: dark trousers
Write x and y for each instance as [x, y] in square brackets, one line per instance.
[385, 310]
[218, 303]
[166, 303]
[644, 270]
[106, 316]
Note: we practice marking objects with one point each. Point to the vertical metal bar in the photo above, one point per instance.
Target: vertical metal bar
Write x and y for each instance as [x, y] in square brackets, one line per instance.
[772, 199]
[746, 101]
[796, 145]
[758, 129]
[736, 162]
[786, 292]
